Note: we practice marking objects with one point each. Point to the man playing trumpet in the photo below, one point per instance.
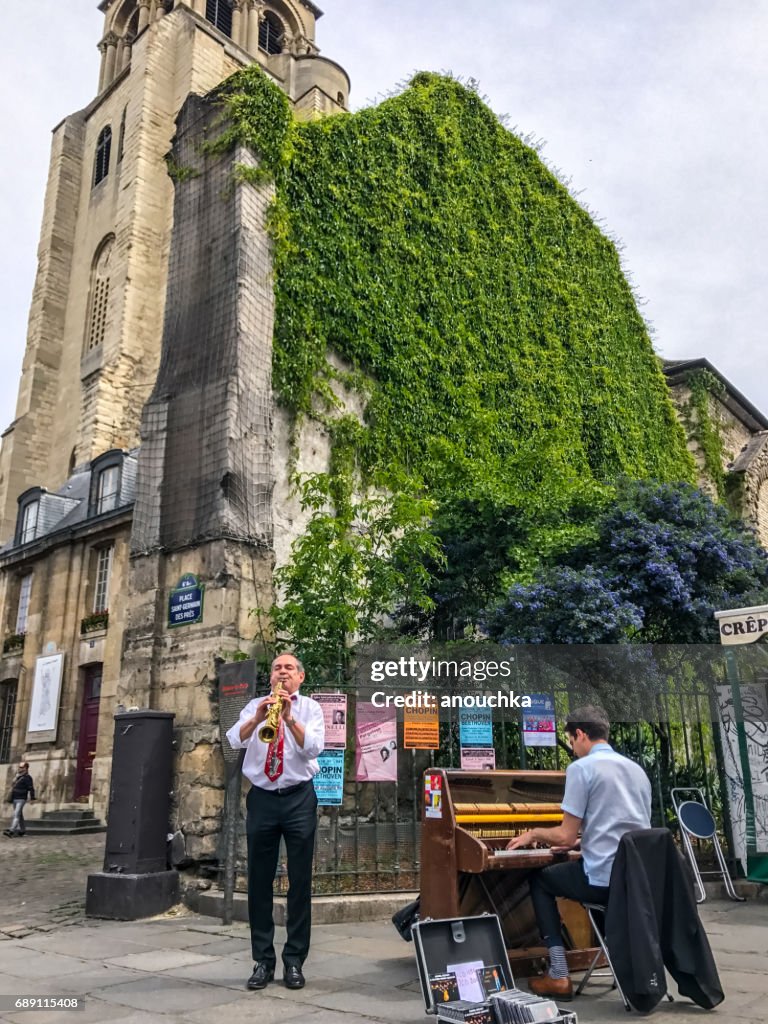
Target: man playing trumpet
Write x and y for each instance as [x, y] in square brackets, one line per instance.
[281, 748]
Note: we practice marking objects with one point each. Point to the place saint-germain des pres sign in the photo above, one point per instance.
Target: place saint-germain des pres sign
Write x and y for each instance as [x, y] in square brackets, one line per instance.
[742, 625]
[185, 605]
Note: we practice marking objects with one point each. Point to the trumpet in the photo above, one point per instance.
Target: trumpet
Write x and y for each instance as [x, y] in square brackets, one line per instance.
[268, 731]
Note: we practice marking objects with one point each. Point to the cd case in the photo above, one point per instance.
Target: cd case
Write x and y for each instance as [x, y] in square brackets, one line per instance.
[461, 958]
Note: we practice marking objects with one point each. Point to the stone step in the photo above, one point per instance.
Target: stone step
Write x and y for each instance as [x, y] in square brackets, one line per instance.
[44, 828]
[67, 815]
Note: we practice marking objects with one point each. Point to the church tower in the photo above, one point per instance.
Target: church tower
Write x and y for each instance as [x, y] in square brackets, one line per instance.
[97, 309]
[81, 620]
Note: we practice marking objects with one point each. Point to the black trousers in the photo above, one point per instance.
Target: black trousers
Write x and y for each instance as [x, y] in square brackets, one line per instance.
[566, 880]
[270, 816]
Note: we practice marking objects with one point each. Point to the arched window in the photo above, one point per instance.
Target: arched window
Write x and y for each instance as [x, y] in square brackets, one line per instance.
[103, 150]
[271, 34]
[219, 13]
[99, 298]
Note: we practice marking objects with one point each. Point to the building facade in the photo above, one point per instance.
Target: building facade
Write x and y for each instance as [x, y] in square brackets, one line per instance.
[143, 486]
[84, 589]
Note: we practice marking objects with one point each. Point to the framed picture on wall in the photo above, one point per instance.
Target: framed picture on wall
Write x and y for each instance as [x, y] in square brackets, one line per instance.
[46, 694]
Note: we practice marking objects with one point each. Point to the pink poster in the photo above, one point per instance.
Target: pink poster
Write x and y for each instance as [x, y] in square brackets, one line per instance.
[376, 748]
[334, 707]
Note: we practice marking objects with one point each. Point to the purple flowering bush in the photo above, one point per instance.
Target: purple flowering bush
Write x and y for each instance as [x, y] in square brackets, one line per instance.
[662, 559]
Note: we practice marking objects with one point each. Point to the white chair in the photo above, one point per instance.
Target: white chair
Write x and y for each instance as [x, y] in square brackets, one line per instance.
[696, 822]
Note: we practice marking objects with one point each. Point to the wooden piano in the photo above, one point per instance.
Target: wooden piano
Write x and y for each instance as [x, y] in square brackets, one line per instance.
[467, 819]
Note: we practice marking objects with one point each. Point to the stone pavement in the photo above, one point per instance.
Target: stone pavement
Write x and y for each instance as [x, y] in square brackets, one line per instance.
[44, 880]
[182, 968]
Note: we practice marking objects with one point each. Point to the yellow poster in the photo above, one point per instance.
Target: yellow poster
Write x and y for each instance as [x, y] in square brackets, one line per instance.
[421, 729]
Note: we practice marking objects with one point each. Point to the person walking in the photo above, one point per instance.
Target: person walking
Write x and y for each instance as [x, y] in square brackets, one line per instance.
[22, 789]
[280, 803]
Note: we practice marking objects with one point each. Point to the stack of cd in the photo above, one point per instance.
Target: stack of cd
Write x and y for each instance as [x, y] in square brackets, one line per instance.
[517, 1007]
[464, 1012]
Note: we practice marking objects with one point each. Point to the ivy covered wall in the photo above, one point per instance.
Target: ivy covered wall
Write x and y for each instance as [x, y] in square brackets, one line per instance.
[480, 307]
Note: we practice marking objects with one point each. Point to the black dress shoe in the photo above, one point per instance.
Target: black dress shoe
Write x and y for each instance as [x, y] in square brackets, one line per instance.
[292, 977]
[261, 977]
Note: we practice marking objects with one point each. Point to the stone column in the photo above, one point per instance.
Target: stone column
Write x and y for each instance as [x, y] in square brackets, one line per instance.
[109, 70]
[238, 21]
[160, 10]
[103, 68]
[254, 20]
[143, 14]
[127, 43]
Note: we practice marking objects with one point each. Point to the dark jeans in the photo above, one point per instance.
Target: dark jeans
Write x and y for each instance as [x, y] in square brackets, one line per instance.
[293, 816]
[566, 880]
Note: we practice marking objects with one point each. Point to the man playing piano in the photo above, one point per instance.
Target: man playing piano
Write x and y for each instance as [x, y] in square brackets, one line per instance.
[606, 795]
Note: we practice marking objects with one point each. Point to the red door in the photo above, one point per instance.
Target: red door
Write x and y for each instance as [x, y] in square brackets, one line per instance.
[89, 728]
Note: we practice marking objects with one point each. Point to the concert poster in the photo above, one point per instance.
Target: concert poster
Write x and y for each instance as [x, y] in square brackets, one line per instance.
[475, 728]
[376, 747]
[329, 781]
[539, 729]
[334, 708]
[478, 758]
[421, 728]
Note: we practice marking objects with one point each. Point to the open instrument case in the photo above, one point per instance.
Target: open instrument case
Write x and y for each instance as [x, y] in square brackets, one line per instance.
[458, 940]
[464, 959]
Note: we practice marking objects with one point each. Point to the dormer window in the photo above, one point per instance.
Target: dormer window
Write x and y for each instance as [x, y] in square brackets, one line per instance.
[219, 13]
[107, 489]
[271, 34]
[108, 482]
[29, 518]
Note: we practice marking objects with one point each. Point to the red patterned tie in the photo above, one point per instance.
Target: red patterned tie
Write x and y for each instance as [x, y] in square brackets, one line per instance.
[273, 764]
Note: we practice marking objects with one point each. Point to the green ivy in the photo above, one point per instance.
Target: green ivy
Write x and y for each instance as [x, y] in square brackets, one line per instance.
[702, 427]
[501, 348]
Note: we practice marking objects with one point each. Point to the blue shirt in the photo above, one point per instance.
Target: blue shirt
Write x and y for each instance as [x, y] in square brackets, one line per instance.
[611, 795]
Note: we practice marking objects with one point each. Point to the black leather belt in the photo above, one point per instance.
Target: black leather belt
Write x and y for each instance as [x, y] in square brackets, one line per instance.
[290, 789]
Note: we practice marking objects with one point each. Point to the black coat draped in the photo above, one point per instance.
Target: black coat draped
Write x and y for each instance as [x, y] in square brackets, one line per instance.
[652, 922]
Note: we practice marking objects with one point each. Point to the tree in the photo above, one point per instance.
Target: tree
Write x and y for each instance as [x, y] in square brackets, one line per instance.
[663, 558]
[358, 558]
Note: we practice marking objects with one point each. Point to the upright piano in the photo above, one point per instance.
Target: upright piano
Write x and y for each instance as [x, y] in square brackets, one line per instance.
[468, 817]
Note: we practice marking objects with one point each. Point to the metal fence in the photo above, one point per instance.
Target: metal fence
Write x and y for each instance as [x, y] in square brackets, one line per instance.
[371, 843]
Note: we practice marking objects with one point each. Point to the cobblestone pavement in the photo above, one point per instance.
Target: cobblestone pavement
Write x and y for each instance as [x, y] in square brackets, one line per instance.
[44, 881]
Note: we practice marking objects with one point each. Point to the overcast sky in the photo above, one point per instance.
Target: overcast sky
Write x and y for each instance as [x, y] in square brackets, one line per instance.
[655, 110]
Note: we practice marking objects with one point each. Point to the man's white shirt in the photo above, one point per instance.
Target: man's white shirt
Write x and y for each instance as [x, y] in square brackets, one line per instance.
[299, 763]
